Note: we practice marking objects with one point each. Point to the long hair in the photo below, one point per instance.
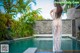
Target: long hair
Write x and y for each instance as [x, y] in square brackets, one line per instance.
[58, 11]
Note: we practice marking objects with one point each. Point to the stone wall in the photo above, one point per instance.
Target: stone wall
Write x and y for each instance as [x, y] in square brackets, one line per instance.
[45, 26]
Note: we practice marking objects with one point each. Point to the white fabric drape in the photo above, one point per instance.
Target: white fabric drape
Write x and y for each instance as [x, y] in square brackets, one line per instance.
[56, 39]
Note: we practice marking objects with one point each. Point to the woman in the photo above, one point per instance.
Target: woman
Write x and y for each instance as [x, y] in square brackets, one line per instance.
[57, 26]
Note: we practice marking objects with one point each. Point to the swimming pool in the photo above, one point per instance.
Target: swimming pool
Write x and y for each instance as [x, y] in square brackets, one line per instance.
[43, 44]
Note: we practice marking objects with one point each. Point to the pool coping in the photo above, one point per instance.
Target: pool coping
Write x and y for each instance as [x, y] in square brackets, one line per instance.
[37, 37]
[74, 38]
[17, 39]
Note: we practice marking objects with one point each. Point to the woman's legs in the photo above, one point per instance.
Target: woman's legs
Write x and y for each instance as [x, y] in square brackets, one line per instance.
[57, 38]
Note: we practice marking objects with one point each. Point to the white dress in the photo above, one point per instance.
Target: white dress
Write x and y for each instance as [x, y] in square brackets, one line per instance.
[56, 36]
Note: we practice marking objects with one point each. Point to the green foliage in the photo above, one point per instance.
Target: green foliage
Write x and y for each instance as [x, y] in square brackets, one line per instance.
[35, 14]
[70, 4]
[4, 22]
[9, 6]
[24, 6]
[22, 27]
[20, 6]
[39, 17]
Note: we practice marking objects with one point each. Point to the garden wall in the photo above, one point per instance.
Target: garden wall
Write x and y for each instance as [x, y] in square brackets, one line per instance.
[45, 26]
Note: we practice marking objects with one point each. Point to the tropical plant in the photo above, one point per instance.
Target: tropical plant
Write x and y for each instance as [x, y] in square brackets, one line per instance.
[9, 6]
[24, 26]
[4, 23]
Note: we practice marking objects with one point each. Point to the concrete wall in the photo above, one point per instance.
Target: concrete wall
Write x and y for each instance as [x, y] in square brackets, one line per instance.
[45, 26]
[77, 23]
[70, 13]
[74, 14]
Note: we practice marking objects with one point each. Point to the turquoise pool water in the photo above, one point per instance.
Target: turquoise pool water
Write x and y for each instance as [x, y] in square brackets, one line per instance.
[43, 44]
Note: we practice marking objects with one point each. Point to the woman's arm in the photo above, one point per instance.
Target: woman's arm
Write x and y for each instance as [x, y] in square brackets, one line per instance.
[51, 13]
